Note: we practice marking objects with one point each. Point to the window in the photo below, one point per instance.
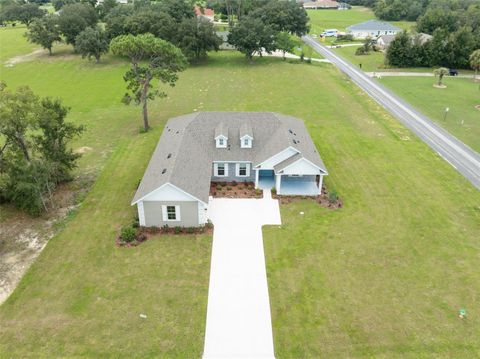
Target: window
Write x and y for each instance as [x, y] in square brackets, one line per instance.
[221, 142]
[221, 169]
[242, 169]
[246, 142]
[171, 213]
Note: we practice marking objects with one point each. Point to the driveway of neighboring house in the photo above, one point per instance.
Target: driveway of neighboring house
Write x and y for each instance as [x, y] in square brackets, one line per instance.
[238, 315]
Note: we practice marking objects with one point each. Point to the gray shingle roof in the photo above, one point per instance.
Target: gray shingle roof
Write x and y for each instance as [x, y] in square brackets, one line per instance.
[246, 129]
[186, 149]
[373, 25]
[221, 130]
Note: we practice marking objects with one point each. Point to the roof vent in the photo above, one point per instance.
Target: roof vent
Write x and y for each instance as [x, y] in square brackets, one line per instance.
[295, 141]
[169, 155]
[177, 132]
[164, 170]
[290, 131]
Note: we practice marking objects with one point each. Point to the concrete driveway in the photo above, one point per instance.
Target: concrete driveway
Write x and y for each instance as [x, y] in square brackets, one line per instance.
[238, 315]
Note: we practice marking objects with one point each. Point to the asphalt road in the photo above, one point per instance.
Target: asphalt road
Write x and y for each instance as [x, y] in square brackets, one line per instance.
[456, 153]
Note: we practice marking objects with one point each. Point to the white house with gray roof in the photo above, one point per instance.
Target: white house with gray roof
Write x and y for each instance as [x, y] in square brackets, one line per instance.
[268, 149]
[372, 28]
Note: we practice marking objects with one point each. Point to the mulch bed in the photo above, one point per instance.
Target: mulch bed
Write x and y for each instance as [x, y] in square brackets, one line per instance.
[323, 199]
[234, 190]
[145, 233]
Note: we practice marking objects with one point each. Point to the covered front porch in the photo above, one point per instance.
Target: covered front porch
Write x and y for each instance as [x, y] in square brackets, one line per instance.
[289, 185]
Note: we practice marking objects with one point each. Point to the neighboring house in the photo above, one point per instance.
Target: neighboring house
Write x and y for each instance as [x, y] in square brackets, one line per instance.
[344, 6]
[384, 41]
[118, 1]
[320, 4]
[268, 149]
[372, 28]
[206, 13]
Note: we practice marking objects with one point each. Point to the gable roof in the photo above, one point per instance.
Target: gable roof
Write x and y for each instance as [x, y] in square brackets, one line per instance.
[203, 11]
[186, 149]
[373, 25]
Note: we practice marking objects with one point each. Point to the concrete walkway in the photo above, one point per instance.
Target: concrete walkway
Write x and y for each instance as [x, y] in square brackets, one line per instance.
[238, 314]
[288, 55]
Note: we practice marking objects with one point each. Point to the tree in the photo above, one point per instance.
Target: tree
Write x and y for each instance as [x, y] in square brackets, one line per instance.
[34, 156]
[284, 43]
[105, 7]
[177, 9]
[151, 59]
[44, 32]
[25, 13]
[115, 20]
[251, 35]
[285, 16]
[74, 18]
[196, 37]
[149, 20]
[399, 51]
[440, 72]
[92, 42]
[475, 62]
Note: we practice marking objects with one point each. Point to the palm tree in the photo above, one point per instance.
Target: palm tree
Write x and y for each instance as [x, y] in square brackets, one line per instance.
[475, 62]
[440, 72]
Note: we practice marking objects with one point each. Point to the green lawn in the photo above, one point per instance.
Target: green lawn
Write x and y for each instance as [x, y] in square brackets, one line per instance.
[461, 96]
[13, 43]
[371, 62]
[335, 19]
[384, 276]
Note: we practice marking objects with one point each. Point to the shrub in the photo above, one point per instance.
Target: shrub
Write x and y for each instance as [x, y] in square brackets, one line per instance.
[361, 51]
[234, 183]
[177, 230]
[258, 191]
[209, 224]
[191, 230]
[223, 184]
[229, 188]
[333, 196]
[128, 234]
[274, 190]
[218, 188]
[344, 38]
[250, 187]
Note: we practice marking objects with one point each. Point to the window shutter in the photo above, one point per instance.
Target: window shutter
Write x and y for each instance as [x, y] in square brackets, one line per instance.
[177, 213]
[248, 169]
[226, 169]
[237, 169]
[215, 169]
[164, 213]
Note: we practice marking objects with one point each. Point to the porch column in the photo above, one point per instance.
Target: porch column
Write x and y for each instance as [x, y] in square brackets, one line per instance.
[257, 174]
[278, 181]
[141, 214]
[320, 182]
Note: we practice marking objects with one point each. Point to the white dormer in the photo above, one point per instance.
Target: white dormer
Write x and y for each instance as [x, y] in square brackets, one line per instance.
[246, 135]
[221, 136]
[246, 141]
[221, 141]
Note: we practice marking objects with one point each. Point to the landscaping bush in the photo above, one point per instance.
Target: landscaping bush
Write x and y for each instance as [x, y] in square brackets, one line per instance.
[258, 191]
[229, 188]
[361, 51]
[177, 230]
[128, 234]
[274, 190]
[219, 188]
[250, 187]
[191, 230]
[234, 183]
[333, 196]
[345, 38]
[223, 184]
[136, 222]
[209, 224]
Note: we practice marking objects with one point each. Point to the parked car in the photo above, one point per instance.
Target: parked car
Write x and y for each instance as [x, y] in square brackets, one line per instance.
[453, 72]
[329, 33]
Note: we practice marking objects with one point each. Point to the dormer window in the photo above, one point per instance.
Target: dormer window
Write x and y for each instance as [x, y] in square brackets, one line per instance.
[246, 142]
[221, 142]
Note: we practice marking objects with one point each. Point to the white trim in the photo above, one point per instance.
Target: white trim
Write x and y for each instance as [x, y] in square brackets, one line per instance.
[276, 154]
[141, 214]
[225, 169]
[223, 136]
[320, 183]
[163, 185]
[231, 161]
[247, 169]
[165, 213]
[249, 140]
[304, 159]
[218, 139]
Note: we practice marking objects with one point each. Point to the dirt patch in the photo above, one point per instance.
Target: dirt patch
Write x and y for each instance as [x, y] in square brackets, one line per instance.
[234, 190]
[40, 54]
[477, 107]
[22, 238]
[82, 150]
[440, 86]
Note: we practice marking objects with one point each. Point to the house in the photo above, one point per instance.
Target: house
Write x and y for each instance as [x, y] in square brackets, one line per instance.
[384, 41]
[268, 149]
[205, 13]
[344, 6]
[320, 4]
[372, 28]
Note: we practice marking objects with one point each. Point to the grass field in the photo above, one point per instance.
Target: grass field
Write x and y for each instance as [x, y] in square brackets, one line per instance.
[461, 96]
[340, 20]
[385, 276]
[13, 43]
